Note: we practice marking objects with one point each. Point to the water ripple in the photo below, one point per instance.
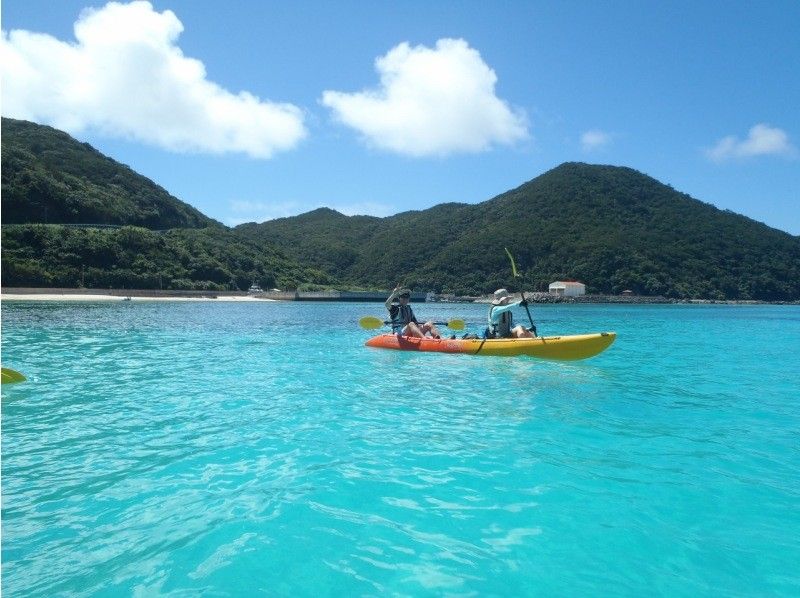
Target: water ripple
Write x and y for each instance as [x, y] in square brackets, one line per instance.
[261, 449]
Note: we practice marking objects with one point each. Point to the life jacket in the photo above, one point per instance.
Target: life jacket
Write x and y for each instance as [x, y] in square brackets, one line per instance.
[503, 328]
[401, 316]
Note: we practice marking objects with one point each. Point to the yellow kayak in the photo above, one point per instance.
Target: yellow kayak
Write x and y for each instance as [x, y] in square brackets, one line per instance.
[577, 346]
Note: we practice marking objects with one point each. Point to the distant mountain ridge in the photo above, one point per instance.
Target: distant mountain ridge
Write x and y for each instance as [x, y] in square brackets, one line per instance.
[611, 227]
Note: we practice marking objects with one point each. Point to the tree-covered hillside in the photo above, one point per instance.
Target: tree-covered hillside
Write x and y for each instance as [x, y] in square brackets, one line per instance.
[40, 255]
[610, 227]
[51, 181]
[334, 245]
[49, 177]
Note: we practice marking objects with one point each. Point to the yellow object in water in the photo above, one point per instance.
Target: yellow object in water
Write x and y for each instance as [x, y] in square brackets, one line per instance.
[10, 376]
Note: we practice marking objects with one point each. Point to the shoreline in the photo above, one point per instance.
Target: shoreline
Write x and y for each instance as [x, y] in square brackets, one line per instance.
[73, 294]
[111, 298]
[110, 295]
[540, 298]
[142, 295]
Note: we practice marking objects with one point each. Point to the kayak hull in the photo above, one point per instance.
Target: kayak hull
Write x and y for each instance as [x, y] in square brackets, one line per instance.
[568, 348]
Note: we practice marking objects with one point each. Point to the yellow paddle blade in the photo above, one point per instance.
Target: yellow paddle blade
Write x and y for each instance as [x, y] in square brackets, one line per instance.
[8, 376]
[513, 265]
[370, 322]
[456, 324]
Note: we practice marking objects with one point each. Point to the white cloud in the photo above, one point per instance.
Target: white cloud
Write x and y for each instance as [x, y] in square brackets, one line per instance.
[594, 139]
[762, 140]
[430, 102]
[125, 76]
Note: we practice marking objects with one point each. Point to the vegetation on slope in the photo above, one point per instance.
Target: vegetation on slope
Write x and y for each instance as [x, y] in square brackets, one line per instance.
[49, 177]
[612, 228]
[40, 255]
[334, 245]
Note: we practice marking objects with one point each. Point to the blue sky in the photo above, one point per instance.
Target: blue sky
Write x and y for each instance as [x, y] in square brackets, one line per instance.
[255, 110]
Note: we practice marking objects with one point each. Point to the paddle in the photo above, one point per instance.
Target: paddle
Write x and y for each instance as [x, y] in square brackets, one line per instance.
[9, 376]
[516, 275]
[371, 323]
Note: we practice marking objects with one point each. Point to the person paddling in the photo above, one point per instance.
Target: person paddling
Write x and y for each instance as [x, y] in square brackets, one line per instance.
[501, 320]
[403, 319]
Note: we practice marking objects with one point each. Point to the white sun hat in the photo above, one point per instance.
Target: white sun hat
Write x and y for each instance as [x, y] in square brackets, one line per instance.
[501, 296]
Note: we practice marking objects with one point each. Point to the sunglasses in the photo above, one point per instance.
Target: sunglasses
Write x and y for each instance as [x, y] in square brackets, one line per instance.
[405, 296]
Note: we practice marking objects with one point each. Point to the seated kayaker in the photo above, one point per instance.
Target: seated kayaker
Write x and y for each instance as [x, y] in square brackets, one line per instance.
[501, 320]
[402, 316]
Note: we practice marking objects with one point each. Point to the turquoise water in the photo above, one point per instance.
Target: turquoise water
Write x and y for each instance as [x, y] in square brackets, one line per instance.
[231, 449]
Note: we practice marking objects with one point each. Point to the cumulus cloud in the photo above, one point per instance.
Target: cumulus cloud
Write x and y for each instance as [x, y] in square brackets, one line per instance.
[762, 140]
[125, 76]
[430, 102]
[594, 139]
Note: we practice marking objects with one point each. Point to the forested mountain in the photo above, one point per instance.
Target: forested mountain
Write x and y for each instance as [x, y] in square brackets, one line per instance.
[50, 177]
[610, 227]
[613, 228]
[50, 181]
[334, 245]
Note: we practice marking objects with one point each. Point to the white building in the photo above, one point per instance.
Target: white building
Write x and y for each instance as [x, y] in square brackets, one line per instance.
[567, 288]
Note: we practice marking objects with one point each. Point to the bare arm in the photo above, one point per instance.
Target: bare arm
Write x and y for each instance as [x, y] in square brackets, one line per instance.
[392, 297]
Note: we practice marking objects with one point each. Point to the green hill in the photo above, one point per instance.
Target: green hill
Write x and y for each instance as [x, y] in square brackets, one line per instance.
[610, 227]
[49, 177]
[333, 245]
[51, 181]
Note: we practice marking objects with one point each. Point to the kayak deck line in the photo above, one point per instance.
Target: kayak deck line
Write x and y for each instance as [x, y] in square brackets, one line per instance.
[564, 347]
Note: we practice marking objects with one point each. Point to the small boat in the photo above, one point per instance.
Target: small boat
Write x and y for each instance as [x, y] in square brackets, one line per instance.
[578, 346]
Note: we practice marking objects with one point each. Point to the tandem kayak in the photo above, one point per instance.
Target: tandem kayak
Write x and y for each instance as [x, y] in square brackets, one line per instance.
[578, 346]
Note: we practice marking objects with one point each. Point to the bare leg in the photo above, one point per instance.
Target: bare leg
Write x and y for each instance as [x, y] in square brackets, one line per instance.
[412, 329]
[431, 328]
[521, 332]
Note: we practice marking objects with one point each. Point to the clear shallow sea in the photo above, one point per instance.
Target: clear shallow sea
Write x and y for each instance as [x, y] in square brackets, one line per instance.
[232, 449]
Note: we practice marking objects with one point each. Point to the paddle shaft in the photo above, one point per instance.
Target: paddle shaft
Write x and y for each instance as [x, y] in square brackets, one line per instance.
[533, 326]
[371, 323]
[515, 274]
[434, 323]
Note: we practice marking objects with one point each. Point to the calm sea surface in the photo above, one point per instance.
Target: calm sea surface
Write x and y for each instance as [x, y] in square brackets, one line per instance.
[231, 449]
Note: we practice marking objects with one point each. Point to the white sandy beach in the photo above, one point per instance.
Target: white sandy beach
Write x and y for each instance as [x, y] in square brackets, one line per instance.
[94, 298]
